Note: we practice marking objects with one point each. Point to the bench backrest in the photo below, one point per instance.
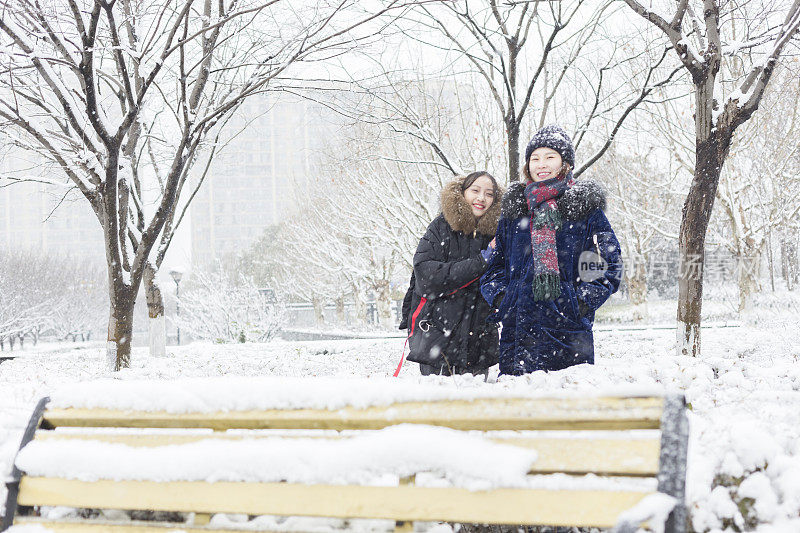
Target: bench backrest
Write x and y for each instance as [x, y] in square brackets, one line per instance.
[563, 431]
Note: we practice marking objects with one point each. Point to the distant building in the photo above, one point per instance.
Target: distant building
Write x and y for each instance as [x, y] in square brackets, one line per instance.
[274, 146]
[30, 219]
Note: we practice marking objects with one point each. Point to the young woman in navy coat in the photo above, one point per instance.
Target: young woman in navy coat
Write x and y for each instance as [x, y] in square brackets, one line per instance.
[555, 262]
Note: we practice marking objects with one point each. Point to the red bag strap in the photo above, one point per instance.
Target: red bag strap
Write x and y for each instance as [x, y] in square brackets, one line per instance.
[422, 302]
[414, 316]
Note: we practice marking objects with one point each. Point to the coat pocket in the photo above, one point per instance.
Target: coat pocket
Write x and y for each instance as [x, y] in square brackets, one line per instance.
[571, 307]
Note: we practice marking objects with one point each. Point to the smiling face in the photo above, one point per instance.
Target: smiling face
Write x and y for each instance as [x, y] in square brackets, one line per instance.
[480, 195]
[544, 164]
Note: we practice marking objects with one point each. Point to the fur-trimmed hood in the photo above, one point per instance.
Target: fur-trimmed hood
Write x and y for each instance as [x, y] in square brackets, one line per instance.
[458, 213]
[576, 204]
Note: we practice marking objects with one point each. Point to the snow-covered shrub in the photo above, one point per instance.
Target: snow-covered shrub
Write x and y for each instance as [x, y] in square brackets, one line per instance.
[755, 483]
[222, 309]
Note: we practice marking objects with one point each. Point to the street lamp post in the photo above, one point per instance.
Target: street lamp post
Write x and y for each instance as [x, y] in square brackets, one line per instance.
[176, 276]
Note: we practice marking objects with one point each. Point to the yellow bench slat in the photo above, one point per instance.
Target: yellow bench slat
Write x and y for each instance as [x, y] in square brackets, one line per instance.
[481, 414]
[103, 526]
[637, 457]
[611, 456]
[501, 506]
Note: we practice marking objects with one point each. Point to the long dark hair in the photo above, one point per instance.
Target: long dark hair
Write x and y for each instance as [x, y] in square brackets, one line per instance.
[470, 179]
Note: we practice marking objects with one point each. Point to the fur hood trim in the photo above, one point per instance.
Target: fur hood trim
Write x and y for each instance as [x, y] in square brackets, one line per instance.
[458, 213]
[576, 204]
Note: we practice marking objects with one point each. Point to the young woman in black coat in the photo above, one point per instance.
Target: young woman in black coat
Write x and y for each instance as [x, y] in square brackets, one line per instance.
[444, 309]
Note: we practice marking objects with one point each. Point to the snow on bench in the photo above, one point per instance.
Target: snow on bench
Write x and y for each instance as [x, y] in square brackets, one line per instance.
[348, 449]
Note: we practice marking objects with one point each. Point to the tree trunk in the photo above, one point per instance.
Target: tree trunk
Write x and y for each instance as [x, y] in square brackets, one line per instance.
[747, 275]
[511, 119]
[341, 318]
[789, 262]
[710, 154]
[637, 288]
[359, 307]
[157, 326]
[770, 260]
[120, 329]
[319, 311]
[384, 303]
[512, 133]
[711, 148]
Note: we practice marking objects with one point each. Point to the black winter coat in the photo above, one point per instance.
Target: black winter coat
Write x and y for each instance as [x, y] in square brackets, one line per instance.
[450, 327]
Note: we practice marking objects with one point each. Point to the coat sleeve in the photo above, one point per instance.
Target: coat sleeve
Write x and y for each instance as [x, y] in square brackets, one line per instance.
[434, 277]
[407, 304]
[495, 280]
[601, 240]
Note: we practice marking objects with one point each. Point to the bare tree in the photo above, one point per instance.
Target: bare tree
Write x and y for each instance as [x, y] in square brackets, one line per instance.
[312, 265]
[79, 312]
[46, 294]
[790, 262]
[642, 208]
[759, 190]
[81, 84]
[509, 53]
[30, 292]
[382, 188]
[706, 35]
[332, 255]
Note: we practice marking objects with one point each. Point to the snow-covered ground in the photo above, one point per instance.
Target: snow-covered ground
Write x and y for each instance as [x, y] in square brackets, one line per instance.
[744, 393]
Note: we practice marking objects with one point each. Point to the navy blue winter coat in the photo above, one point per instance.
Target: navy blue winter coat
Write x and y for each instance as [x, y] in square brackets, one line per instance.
[555, 334]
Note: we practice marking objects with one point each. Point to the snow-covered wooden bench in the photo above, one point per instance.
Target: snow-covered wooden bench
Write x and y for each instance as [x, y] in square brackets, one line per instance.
[347, 449]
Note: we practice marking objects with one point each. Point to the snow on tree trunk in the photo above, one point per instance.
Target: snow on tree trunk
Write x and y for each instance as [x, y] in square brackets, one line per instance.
[157, 335]
[157, 324]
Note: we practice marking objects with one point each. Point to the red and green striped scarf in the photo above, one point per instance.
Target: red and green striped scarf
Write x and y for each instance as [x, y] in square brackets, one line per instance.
[545, 222]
